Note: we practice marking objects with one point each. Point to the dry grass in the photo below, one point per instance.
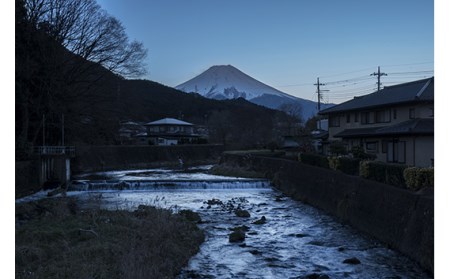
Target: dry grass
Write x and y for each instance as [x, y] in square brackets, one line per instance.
[56, 240]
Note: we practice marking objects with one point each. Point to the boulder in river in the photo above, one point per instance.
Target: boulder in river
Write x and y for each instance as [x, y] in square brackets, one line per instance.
[260, 221]
[237, 236]
[352, 261]
[242, 213]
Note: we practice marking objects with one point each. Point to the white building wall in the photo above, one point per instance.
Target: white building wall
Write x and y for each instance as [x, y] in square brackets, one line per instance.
[424, 151]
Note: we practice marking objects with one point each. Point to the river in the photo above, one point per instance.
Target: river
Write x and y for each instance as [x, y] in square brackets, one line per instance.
[296, 240]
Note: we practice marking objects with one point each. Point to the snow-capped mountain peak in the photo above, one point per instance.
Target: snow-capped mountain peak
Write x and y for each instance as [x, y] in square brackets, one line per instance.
[227, 82]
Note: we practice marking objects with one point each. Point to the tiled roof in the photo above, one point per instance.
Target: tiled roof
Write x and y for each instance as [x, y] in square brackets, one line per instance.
[416, 91]
[169, 121]
[422, 126]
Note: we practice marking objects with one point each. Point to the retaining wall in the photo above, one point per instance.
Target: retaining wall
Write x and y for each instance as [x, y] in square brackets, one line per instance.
[401, 219]
[26, 178]
[100, 158]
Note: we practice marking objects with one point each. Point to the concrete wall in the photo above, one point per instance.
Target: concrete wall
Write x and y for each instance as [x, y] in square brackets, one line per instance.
[98, 158]
[424, 151]
[27, 178]
[401, 219]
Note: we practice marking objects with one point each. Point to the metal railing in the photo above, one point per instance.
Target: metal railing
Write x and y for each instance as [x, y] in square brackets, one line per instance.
[55, 150]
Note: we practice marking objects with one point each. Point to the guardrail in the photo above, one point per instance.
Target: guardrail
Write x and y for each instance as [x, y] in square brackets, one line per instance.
[55, 150]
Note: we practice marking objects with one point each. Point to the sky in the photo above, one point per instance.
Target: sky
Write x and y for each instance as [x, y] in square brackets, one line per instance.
[285, 44]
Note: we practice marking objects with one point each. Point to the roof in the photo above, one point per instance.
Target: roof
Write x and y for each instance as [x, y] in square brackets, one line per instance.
[421, 126]
[416, 91]
[169, 121]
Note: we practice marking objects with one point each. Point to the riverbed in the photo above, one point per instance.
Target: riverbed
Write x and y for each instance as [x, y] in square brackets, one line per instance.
[294, 241]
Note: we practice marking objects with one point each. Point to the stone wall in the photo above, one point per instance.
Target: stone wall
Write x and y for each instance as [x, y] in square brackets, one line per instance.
[26, 178]
[399, 218]
[100, 158]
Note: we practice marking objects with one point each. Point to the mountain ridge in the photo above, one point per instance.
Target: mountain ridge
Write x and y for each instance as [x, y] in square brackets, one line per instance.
[228, 82]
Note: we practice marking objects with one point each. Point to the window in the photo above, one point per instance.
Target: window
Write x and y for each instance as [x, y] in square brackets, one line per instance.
[396, 151]
[383, 116]
[356, 116]
[348, 117]
[412, 113]
[367, 117]
[334, 121]
[394, 112]
[372, 147]
[384, 147]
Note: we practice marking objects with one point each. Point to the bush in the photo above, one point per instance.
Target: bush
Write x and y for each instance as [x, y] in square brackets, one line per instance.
[418, 178]
[345, 165]
[385, 173]
[358, 153]
[338, 148]
[314, 160]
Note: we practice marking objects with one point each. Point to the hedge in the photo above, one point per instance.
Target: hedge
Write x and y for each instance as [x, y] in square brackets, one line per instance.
[418, 178]
[345, 165]
[314, 160]
[385, 173]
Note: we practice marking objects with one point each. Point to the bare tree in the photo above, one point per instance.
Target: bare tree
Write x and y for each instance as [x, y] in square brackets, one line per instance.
[294, 119]
[60, 46]
[87, 31]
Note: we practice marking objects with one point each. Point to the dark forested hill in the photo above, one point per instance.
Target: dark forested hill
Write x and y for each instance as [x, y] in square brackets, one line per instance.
[55, 87]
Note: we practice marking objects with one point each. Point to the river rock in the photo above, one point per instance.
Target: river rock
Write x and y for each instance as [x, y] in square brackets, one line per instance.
[237, 236]
[243, 228]
[242, 213]
[260, 221]
[352, 261]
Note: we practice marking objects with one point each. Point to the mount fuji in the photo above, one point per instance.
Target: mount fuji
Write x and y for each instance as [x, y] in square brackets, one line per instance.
[227, 82]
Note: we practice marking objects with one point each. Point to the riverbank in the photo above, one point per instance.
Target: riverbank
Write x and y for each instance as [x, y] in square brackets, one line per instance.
[104, 158]
[57, 239]
[401, 219]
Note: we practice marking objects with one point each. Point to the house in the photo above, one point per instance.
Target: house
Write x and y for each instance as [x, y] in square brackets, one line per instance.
[170, 131]
[396, 123]
[129, 132]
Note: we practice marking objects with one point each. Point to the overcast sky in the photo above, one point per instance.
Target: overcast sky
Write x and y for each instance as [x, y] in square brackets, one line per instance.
[285, 44]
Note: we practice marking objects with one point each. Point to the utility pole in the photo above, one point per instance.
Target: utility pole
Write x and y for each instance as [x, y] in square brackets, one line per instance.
[62, 130]
[378, 74]
[318, 84]
[43, 130]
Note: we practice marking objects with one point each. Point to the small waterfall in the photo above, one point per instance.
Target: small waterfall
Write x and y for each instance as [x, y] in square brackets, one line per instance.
[98, 185]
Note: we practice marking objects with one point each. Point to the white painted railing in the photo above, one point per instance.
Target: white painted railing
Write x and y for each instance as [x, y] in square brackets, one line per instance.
[55, 150]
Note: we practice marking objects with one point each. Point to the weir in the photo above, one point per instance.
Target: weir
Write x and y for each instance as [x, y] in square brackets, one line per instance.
[97, 185]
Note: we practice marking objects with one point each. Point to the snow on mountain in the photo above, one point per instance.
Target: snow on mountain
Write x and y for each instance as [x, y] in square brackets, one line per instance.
[227, 82]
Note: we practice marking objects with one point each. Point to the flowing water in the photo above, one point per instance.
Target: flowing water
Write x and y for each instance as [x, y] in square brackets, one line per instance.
[296, 241]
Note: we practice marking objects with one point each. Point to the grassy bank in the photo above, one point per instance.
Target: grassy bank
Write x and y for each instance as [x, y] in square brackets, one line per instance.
[54, 239]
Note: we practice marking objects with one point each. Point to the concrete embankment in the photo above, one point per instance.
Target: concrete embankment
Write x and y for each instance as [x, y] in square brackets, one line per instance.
[401, 219]
[102, 158]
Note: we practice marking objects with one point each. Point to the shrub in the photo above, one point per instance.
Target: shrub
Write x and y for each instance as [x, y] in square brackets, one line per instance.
[418, 178]
[385, 173]
[338, 148]
[358, 153]
[314, 160]
[345, 165]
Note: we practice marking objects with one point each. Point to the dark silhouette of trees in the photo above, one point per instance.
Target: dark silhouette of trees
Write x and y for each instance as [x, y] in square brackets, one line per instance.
[87, 31]
[66, 50]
